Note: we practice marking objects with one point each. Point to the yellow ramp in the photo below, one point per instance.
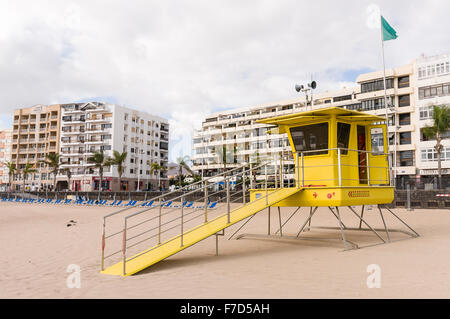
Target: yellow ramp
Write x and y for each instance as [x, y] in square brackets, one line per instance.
[190, 237]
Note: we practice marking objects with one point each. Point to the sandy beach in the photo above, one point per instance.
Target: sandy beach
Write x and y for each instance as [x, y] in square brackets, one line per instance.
[37, 247]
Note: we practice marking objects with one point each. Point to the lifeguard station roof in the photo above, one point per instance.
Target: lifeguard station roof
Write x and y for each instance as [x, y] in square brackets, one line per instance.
[319, 114]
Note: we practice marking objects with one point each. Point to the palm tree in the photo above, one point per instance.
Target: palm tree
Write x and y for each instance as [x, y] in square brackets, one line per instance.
[100, 161]
[69, 176]
[53, 161]
[26, 170]
[11, 170]
[118, 160]
[224, 155]
[183, 163]
[155, 167]
[441, 124]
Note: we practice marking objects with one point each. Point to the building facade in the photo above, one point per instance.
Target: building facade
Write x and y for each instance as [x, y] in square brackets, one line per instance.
[228, 139]
[36, 132]
[411, 91]
[432, 77]
[5, 156]
[92, 127]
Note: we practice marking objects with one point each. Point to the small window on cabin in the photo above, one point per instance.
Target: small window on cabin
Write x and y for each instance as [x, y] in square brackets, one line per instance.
[310, 138]
[343, 136]
[377, 140]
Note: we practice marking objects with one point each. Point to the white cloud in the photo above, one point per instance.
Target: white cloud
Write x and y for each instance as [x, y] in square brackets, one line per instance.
[185, 59]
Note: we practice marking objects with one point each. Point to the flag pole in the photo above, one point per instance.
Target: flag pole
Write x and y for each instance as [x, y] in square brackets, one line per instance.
[385, 98]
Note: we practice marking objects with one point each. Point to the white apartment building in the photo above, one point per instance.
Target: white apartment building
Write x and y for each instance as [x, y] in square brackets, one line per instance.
[432, 77]
[410, 93]
[94, 127]
[237, 134]
[5, 156]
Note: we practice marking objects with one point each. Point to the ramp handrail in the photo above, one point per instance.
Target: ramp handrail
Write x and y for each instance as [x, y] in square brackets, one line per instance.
[205, 185]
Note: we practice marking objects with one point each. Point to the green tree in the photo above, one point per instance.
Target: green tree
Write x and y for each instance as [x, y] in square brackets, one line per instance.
[52, 160]
[11, 170]
[157, 168]
[224, 156]
[100, 161]
[183, 163]
[27, 170]
[441, 124]
[118, 160]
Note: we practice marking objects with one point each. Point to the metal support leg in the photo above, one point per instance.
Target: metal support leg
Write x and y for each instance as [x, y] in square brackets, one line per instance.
[337, 217]
[217, 241]
[310, 216]
[309, 223]
[362, 215]
[417, 235]
[242, 226]
[378, 235]
[268, 220]
[287, 220]
[279, 219]
[384, 223]
[342, 228]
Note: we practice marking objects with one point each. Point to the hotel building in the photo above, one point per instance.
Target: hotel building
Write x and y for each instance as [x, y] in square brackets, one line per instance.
[5, 156]
[411, 90]
[101, 127]
[35, 133]
[432, 77]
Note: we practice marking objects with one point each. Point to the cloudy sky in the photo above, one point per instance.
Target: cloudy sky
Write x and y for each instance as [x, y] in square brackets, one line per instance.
[185, 59]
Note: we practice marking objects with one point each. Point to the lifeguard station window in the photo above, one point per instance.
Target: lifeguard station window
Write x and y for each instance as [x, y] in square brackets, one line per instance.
[309, 138]
[376, 140]
[343, 136]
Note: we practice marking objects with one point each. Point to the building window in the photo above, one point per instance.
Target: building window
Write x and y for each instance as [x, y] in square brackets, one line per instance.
[403, 100]
[427, 92]
[376, 85]
[404, 119]
[430, 154]
[342, 98]
[403, 82]
[406, 158]
[405, 138]
[426, 112]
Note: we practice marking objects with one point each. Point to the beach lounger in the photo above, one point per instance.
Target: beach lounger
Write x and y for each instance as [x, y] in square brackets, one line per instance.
[58, 201]
[212, 205]
[67, 201]
[167, 204]
[147, 204]
[90, 202]
[116, 203]
[131, 203]
[102, 202]
[40, 201]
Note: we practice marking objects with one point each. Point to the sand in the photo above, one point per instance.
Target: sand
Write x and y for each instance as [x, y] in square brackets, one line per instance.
[37, 247]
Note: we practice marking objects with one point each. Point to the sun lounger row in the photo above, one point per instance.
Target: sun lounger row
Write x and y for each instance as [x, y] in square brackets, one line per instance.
[106, 203]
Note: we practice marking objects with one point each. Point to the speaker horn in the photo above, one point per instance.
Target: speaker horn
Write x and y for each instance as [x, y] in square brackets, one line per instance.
[298, 88]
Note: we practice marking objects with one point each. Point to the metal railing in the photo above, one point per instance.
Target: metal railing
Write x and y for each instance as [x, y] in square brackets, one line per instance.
[205, 200]
[362, 169]
[170, 214]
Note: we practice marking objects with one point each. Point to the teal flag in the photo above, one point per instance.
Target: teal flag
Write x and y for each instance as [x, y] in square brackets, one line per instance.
[388, 31]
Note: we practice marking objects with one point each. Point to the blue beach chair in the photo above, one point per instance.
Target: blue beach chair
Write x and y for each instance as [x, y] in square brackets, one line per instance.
[131, 203]
[116, 203]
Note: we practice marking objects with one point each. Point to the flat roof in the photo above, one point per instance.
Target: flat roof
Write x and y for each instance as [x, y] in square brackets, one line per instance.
[320, 114]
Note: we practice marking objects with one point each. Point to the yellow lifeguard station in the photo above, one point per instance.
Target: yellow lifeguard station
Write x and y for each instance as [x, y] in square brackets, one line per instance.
[341, 159]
